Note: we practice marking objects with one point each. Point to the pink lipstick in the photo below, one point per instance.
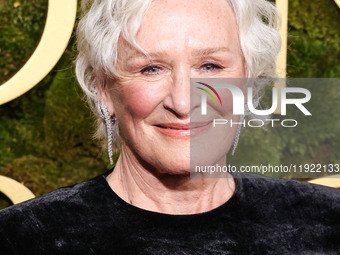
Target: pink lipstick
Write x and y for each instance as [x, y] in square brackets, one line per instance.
[182, 131]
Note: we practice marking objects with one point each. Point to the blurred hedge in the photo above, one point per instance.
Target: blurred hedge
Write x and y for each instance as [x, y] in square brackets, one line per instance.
[45, 136]
[313, 52]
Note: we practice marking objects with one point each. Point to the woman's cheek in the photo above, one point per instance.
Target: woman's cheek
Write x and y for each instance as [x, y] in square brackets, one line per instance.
[142, 99]
[226, 109]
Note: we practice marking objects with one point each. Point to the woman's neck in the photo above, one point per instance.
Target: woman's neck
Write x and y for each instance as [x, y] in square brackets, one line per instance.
[167, 193]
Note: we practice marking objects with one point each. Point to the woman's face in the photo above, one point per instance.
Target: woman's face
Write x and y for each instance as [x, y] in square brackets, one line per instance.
[185, 39]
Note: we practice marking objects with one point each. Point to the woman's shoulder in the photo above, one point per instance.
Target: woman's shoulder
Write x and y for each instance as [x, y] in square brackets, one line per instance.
[289, 196]
[67, 209]
[286, 186]
[56, 198]
[278, 212]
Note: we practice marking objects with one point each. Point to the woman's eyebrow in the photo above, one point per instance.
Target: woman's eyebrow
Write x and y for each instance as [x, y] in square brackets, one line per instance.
[138, 55]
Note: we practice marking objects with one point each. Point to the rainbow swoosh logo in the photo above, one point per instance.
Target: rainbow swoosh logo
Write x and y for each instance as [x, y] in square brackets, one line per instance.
[209, 93]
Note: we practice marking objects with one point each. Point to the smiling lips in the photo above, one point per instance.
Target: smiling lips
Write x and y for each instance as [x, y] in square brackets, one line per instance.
[182, 131]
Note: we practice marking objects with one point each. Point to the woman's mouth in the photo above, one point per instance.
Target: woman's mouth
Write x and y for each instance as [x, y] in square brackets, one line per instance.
[182, 131]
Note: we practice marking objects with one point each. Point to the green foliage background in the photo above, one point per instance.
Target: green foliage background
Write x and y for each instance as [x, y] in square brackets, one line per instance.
[313, 52]
[46, 134]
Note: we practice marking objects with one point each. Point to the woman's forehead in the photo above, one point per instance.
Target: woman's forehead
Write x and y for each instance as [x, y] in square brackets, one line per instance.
[191, 23]
[202, 6]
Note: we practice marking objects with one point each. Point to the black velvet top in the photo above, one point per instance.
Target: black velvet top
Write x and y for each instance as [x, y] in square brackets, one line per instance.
[264, 216]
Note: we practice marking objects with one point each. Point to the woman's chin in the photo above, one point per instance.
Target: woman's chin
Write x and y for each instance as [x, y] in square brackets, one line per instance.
[176, 166]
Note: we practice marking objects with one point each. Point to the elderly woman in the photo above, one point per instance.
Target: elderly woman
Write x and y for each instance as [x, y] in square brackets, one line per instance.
[136, 58]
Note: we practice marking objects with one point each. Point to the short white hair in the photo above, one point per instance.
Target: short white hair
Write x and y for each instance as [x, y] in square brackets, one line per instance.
[107, 20]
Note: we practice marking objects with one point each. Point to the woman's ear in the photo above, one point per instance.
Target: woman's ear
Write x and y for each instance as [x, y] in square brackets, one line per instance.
[104, 95]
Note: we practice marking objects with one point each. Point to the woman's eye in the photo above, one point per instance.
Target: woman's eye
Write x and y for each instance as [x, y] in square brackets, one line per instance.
[150, 70]
[210, 67]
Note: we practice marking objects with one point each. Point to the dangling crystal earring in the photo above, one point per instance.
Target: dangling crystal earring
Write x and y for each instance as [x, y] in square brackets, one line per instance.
[237, 136]
[109, 122]
[239, 128]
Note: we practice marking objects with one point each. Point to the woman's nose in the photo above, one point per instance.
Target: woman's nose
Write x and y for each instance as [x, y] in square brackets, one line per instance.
[178, 99]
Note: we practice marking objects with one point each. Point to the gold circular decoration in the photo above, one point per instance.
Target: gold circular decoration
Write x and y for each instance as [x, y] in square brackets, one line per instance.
[14, 190]
[331, 181]
[337, 2]
[57, 32]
